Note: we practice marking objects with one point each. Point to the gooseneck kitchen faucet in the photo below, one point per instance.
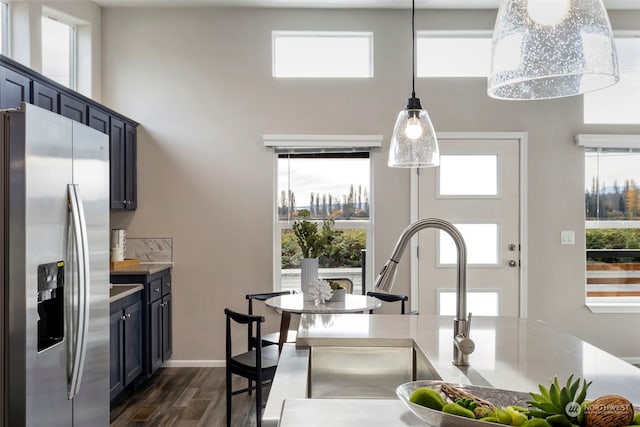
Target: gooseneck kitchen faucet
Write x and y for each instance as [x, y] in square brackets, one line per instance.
[462, 344]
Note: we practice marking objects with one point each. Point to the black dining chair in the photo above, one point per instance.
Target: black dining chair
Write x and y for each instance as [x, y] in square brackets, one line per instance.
[273, 337]
[390, 298]
[257, 365]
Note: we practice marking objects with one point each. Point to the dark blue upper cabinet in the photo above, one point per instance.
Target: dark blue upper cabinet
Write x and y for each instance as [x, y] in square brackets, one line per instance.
[21, 84]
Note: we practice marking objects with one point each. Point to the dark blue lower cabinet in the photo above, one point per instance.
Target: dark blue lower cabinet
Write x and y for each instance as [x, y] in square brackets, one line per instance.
[126, 343]
[157, 311]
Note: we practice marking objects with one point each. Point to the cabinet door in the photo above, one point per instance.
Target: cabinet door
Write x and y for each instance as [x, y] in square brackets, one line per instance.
[73, 108]
[98, 120]
[130, 171]
[167, 343]
[132, 342]
[166, 285]
[116, 379]
[116, 148]
[155, 336]
[14, 88]
[45, 97]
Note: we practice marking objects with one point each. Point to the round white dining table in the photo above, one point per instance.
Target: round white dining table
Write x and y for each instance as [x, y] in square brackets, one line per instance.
[295, 303]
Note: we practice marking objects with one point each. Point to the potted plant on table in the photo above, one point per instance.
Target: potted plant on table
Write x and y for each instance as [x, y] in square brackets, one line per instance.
[314, 241]
[338, 291]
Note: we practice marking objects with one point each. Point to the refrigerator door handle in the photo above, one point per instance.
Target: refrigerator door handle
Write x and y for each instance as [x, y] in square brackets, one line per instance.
[79, 337]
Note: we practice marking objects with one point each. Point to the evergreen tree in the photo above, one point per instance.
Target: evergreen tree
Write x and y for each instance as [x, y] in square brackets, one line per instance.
[311, 205]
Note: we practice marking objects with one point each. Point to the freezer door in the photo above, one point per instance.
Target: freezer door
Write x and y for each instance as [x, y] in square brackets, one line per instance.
[91, 174]
[41, 168]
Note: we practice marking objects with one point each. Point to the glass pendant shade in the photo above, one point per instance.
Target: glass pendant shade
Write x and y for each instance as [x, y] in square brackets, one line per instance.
[550, 49]
[413, 143]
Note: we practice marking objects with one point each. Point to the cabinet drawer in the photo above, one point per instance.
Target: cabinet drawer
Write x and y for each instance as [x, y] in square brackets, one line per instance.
[154, 289]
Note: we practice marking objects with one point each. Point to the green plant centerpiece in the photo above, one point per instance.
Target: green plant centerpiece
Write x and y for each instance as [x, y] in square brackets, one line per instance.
[314, 241]
[338, 291]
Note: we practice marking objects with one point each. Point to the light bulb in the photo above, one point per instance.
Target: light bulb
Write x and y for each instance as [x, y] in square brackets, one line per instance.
[548, 12]
[413, 129]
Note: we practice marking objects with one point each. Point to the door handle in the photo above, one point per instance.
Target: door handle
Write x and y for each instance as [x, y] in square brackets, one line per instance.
[79, 225]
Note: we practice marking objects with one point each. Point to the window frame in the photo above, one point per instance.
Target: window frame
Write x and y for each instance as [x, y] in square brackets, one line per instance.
[320, 142]
[73, 44]
[609, 304]
[328, 34]
[4, 47]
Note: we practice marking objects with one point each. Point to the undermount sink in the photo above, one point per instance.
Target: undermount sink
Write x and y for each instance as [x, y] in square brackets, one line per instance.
[364, 372]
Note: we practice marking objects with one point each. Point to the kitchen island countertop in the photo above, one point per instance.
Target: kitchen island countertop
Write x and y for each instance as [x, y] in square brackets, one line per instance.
[511, 354]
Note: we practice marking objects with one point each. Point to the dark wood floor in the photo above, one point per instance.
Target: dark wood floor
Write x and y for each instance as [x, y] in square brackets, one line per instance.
[185, 397]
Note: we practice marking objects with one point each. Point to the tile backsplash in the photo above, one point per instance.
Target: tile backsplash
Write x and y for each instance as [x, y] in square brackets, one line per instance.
[150, 249]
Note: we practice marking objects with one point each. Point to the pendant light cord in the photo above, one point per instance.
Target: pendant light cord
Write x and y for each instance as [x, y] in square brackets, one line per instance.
[413, 48]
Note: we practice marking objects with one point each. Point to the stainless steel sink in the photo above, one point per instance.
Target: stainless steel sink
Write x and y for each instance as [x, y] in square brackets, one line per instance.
[364, 372]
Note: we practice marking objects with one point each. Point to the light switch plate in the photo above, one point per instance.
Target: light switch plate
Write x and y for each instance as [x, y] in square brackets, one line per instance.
[567, 237]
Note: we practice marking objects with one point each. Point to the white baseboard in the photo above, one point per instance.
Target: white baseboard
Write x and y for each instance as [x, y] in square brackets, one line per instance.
[632, 360]
[194, 364]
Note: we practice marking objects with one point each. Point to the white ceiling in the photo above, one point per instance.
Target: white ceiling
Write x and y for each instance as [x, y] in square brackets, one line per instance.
[337, 4]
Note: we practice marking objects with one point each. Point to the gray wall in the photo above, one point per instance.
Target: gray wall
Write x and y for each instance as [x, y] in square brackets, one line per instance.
[199, 80]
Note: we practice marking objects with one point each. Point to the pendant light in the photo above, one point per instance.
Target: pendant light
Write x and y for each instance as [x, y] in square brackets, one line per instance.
[413, 143]
[550, 49]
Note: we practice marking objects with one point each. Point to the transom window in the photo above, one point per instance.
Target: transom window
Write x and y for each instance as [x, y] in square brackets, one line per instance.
[453, 54]
[620, 103]
[59, 51]
[322, 54]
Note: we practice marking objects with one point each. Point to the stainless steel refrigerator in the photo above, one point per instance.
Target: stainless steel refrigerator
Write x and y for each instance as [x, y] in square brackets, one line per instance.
[55, 267]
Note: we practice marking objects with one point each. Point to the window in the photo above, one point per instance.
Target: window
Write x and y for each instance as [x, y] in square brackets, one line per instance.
[330, 182]
[4, 28]
[480, 303]
[322, 54]
[612, 214]
[620, 103]
[453, 54]
[58, 51]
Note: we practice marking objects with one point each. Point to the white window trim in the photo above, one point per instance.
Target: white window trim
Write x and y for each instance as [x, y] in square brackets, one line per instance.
[323, 141]
[610, 305]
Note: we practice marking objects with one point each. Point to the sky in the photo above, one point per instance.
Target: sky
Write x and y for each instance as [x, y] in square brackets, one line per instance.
[330, 176]
[612, 167]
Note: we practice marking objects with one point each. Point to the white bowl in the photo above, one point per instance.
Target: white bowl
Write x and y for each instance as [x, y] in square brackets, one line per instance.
[442, 419]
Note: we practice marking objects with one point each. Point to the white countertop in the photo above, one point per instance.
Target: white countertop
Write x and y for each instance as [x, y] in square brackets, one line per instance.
[511, 354]
[340, 412]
